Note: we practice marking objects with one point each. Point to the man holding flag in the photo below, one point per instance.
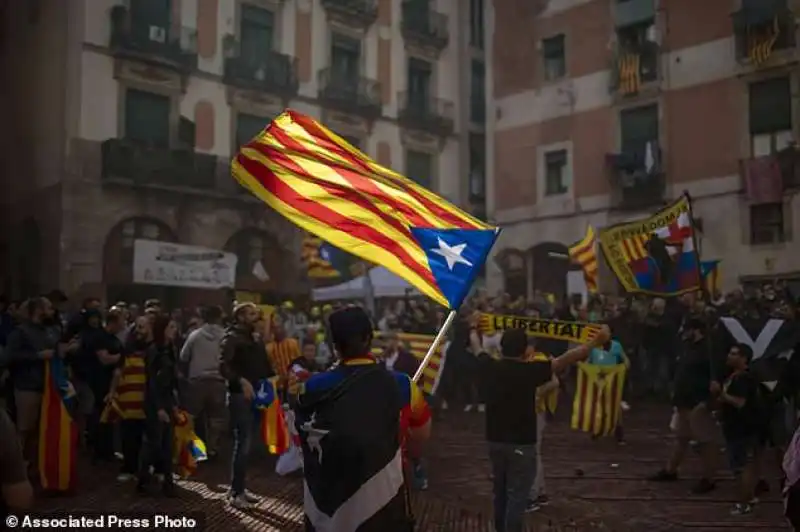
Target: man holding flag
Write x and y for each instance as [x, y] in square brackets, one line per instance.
[330, 189]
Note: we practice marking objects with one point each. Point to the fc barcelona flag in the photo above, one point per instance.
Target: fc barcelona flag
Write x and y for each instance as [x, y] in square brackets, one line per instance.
[272, 421]
[598, 398]
[58, 432]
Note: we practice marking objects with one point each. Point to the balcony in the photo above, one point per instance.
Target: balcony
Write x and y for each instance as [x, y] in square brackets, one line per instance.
[354, 13]
[637, 179]
[634, 68]
[143, 165]
[632, 12]
[350, 94]
[761, 28]
[153, 44]
[773, 174]
[424, 113]
[275, 73]
[423, 27]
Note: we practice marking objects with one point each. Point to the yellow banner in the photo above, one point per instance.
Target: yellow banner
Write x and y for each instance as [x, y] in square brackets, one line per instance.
[627, 243]
[568, 331]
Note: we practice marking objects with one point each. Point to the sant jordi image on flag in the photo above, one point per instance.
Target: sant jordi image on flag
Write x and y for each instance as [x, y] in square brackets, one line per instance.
[330, 189]
[568, 331]
[655, 255]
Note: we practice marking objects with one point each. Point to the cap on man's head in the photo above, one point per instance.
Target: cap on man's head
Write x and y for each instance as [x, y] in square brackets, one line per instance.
[351, 330]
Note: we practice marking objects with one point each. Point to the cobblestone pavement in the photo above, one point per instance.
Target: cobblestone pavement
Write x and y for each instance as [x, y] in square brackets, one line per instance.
[593, 485]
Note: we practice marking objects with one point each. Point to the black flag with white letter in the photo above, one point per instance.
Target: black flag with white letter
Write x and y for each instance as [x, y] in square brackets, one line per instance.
[767, 337]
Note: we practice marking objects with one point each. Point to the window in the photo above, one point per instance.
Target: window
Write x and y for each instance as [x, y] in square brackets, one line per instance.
[138, 229]
[476, 23]
[770, 116]
[477, 167]
[419, 167]
[555, 64]
[638, 128]
[248, 126]
[555, 172]
[345, 58]
[477, 93]
[147, 118]
[146, 14]
[419, 83]
[766, 224]
[257, 31]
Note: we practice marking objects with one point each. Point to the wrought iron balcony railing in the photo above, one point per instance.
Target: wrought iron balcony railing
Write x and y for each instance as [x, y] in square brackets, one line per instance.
[350, 93]
[424, 27]
[151, 42]
[142, 164]
[273, 72]
[426, 113]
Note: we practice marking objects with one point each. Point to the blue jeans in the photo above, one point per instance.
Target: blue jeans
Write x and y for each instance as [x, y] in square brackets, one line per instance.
[513, 470]
[243, 422]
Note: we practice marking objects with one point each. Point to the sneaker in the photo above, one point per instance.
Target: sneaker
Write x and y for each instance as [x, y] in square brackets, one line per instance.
[532, 507]
[741, 509]
[754, 501]
[251, 497]
[468, 408]
[663, 476]
[240, 502]
[422, 484]
[625, 406]
[481, 408]
[124, 477]
[542, 500]
[703, 486]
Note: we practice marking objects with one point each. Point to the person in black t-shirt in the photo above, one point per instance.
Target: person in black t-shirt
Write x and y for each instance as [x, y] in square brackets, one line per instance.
[738, 398]
[510, 385]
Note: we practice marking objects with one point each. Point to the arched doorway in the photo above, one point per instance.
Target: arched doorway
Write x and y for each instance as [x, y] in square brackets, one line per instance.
[264, 268]
[118, 261]
[551, 264]
[514, 265]
[29, 260]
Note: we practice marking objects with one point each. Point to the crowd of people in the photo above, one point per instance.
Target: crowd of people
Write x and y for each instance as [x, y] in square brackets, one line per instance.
[149, 361]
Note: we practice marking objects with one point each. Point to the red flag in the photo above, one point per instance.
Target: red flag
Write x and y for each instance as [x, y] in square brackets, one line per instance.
[58, 433]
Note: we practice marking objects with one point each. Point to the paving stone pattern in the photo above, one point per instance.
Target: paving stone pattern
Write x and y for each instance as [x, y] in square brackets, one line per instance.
[593, 485]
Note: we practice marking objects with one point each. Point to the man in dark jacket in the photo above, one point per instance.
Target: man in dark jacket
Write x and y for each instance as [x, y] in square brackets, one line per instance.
[244, 363]
[698, 372]
[29, 346]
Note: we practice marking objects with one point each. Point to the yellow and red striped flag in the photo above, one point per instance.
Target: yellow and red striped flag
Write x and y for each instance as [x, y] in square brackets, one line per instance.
[58, 432]
[584, 254]
[598, 398]
[273, 429]
[332, 190]
[418, 345]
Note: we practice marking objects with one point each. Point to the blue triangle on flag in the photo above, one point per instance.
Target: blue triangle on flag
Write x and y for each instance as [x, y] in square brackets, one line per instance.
[455, 257]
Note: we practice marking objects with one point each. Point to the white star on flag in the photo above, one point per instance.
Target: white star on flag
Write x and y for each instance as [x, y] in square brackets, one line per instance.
[451, 254]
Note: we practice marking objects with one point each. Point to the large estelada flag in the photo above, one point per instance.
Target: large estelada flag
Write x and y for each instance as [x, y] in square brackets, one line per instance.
[332, 190]
[655, 255]
[584, 254]
[417, 345]
[272, 421]
[769, 338]
[58, 432]
[598, 398]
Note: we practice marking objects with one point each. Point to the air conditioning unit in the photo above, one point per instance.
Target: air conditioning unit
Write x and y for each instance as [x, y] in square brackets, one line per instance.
[158, 34]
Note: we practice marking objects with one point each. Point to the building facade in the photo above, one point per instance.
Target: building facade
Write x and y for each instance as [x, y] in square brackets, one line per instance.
[605, 110]
[127, 113]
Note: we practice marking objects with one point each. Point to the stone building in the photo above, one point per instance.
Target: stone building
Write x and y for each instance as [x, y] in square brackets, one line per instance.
[121, 118]
[605, 110]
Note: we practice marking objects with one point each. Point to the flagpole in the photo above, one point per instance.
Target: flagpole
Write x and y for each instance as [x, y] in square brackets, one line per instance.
[448, 322]
[703, 287]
